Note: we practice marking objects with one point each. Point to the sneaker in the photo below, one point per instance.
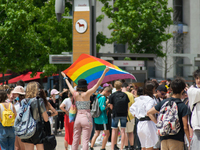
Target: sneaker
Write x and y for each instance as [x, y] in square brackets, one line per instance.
[79, 147]
[69, 147]
[91, 148]
[116, 148]
[60, 132]
[108, 144]
[98, 143]
[119, 142]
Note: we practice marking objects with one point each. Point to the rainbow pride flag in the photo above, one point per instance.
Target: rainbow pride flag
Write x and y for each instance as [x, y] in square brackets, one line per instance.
[91, 68]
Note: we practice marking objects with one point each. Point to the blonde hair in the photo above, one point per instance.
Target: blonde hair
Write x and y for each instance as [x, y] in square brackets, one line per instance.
[118, 85]
[108, 89]
[32, 89]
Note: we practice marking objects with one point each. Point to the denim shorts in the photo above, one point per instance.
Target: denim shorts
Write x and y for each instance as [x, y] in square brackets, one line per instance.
[7, 138]
[115, 121]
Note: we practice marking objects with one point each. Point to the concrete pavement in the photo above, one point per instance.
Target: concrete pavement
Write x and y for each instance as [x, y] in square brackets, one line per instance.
[60, 143]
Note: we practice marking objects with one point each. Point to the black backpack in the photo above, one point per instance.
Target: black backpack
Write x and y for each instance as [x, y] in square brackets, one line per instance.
[120, 103]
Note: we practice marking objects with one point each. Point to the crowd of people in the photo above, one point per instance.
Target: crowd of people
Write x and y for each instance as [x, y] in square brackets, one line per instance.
[139, 114]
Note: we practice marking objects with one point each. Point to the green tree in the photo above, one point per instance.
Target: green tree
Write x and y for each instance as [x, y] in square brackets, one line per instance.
[140, 23]
[29, 32]
[101, 39]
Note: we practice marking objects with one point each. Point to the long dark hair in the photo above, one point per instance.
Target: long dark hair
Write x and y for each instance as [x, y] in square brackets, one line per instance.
[83, 89]
[3, 96]
[148, 88]
[42, 94]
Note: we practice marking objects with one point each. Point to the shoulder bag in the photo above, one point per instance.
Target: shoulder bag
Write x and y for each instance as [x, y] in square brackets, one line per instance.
[49, 141]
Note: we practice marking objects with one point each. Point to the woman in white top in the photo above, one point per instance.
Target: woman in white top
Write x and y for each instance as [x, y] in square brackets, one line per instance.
[65, 106]
[146, 128]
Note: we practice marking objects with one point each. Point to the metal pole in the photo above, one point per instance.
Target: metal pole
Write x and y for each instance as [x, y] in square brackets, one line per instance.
[60, 80]
[93, 27]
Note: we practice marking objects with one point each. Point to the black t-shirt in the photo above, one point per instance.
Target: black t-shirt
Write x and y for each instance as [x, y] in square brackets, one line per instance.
[112, 100]
[182, 111]
[54, 105]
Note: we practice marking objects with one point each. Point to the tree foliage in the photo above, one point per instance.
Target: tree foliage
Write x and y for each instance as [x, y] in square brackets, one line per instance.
[140, 23]
[29, 32]
[101, 39]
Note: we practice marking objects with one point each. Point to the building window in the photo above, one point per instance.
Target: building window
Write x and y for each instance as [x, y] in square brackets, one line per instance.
[178, 10]
[119, 48]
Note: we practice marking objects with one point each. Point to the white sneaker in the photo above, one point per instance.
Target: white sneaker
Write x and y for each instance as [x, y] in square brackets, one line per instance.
[108, 144]
[119, 142]
[98, 143]
[69, 147]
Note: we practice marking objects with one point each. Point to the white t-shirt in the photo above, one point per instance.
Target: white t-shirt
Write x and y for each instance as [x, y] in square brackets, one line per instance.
[67, 102]
[17, 106]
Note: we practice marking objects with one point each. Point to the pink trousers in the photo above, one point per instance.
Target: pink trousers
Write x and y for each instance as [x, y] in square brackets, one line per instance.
[83, 124]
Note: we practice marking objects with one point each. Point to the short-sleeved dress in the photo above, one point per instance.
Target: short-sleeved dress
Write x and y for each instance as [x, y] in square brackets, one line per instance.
[146, 129]
[34, 110]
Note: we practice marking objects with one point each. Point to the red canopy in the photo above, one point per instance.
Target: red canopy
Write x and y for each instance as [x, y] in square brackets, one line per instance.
[2, 83]
[26, 77]
[1, 75]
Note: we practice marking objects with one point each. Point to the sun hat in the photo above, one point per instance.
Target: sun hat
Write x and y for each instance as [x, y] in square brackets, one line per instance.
[54, 91]
[19, 90]
[82, 83]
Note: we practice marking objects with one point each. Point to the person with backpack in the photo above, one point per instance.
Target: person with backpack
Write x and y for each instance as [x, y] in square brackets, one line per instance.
[119, 105]
[32, 96]
[7, 118]
[146, 128]
[172, 119]
[194, 104]
[101, 122]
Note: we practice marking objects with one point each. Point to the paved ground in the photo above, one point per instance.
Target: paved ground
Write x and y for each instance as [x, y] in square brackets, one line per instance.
[60, 143]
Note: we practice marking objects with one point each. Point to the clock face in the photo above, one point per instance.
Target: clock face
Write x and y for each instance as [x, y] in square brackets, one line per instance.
[81, 26]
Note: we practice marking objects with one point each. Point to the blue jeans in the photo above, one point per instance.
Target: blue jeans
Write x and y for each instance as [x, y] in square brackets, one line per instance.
[122, 120]
[7, 138]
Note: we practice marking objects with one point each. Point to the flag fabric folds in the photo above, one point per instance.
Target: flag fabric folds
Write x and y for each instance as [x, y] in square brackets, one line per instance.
[91, 68]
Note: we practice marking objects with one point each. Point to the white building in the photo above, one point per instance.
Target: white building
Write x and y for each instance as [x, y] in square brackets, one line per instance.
[188, 15]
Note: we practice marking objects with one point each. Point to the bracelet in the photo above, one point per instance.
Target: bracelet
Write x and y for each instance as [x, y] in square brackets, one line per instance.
[65, 78]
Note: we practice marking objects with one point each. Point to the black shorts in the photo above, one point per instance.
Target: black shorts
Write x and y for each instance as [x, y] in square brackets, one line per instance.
[101, 127]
